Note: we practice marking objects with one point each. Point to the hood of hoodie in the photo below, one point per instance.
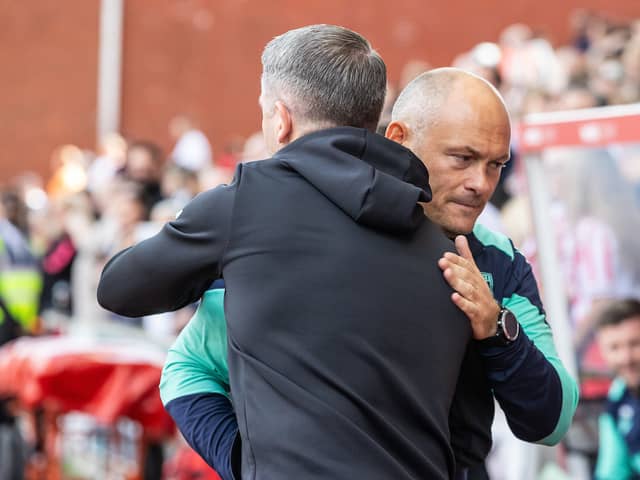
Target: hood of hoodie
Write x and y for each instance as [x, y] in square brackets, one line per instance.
[376, 181]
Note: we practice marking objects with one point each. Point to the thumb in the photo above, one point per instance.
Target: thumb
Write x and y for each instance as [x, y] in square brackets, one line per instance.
[462, 245]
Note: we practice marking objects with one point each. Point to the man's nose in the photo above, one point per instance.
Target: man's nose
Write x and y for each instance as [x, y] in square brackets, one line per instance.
[477, 181]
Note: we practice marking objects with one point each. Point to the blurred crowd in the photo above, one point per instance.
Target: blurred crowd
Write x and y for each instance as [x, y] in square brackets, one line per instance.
[96, 203]
[601, 66]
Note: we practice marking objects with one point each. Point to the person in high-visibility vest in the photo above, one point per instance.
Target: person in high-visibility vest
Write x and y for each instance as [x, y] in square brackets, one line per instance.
[20, 285]
[20, 281]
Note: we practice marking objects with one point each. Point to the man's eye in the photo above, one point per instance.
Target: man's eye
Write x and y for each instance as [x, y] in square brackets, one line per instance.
[498, 165]
[462, 158]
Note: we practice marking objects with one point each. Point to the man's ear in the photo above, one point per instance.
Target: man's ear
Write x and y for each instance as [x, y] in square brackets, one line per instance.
[398, 132]
[284, 124]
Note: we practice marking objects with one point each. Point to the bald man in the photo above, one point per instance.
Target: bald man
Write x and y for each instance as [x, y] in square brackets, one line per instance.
[457, 124]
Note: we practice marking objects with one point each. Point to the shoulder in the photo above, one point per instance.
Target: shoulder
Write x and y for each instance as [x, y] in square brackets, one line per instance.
[489, 238]
[220, 195]
[203, 205]
[497, 256]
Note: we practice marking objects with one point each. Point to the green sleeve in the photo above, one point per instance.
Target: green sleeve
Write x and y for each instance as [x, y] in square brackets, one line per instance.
[523, 304]
[536, 328]
[613, 456]
[197, 361]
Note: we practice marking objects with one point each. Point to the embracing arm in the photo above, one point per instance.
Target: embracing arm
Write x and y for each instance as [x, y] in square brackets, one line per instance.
[174, 267]
[195, 387]
[208, 424]
[543, 373]
[528, 379]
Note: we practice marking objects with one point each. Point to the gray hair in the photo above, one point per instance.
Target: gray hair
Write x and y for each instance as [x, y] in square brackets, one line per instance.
[327, 75]
[422, 99]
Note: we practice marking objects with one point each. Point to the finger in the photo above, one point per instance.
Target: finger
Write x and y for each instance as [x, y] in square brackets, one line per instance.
[468, 283]
[461, 270]
[462, 245]
[460, 284]
[457, 259]
[443, 263]
[451, 278]
[464, 304]
[450, 258]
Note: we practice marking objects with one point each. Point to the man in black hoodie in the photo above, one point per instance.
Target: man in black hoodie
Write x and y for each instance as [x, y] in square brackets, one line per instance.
[458, 125]
[344, 346]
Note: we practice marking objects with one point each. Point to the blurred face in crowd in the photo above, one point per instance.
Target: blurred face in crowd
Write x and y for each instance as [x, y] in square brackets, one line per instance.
[141, 165]
[620, 347]
[127, 208]
[576, 98]
[464, 147]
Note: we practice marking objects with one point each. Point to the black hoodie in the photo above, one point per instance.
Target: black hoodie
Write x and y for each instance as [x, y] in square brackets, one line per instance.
[344, 345]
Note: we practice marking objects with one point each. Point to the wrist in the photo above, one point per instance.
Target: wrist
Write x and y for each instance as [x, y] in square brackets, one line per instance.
[490, 324]
[506, 331]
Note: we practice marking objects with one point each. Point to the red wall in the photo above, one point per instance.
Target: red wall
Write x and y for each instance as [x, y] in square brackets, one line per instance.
[48, 81]
[202, 57]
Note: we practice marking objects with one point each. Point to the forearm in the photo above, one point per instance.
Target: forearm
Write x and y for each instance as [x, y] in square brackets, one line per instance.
[195, 385]
[540, 333]
[197, 360]
[174, 267]
[527, 387]
[141, 280]
[526, 305]
[208, 423]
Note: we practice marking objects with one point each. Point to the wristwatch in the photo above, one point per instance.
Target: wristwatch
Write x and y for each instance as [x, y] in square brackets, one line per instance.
[507, 332]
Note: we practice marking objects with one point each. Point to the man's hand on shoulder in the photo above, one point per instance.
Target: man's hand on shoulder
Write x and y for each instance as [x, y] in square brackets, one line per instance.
[472, 294]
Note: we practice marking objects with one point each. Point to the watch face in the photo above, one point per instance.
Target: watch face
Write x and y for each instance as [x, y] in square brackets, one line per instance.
[510, 325]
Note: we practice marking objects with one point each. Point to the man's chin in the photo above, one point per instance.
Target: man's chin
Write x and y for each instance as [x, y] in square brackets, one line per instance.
[463, 227]
[453, 231]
